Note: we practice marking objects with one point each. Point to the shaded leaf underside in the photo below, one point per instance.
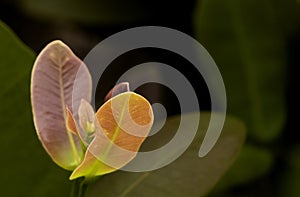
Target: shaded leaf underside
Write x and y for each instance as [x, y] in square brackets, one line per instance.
[187, 176]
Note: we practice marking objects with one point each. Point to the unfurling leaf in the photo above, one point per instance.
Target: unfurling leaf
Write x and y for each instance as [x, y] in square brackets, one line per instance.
[118, 89]
[71, 124]
[86, 121]
[121, 124]
[54, 74]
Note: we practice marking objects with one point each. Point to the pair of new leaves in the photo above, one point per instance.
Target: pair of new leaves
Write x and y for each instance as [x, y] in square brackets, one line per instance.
[75, 137]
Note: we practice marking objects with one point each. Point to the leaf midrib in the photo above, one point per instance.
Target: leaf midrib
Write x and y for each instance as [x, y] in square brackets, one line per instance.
[63, 105]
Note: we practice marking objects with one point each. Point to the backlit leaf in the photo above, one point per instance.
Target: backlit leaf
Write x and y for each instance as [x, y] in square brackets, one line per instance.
[122, 125]
[52, 85]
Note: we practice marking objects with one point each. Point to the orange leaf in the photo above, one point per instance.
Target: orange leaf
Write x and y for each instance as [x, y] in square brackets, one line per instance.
[122, 124]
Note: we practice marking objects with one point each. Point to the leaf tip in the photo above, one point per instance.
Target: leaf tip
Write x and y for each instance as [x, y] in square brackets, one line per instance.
[117, 89]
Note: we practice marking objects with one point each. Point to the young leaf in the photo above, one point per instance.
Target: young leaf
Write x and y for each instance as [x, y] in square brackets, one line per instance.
[118, 89]
[52, 82]
[189, 175]
[122, 125]
[71, 124]
[86, 121]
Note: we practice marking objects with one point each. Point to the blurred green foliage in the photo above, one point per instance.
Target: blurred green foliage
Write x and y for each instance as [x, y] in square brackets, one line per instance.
[250, 160]
[25, 168]
[247, 45]
[290, 180]
[248, 39]
[87, 12]
[189, 175]
[28, 168]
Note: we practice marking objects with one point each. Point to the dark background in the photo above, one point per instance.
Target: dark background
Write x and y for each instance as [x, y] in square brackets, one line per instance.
[84, 24]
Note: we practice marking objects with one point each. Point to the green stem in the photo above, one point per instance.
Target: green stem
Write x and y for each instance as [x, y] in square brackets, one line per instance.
[75, 188]
[82, 188]
[79, 188]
